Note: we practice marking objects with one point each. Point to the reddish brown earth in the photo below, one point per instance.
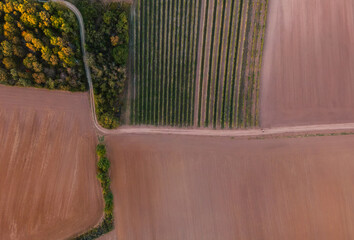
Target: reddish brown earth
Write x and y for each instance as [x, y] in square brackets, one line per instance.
[48, 185]
[109, 236]
[308, 63]
[192, 188]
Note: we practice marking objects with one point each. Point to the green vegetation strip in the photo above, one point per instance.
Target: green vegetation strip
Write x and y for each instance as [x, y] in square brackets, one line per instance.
[226, 75]
[236, 61]
[261, 60]
[107, 224]
[240, 90]
[218, 77]
[202, 63]
[207, 113]
[252, 69]
[194, 61]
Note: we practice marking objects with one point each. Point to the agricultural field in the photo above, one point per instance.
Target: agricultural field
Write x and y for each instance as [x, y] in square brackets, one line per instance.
[48, 184]
[197, 63]
[192, 188]
[307, 76]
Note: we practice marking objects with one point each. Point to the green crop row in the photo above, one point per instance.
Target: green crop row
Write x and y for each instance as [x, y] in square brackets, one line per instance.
[161, 73]
[242, 15]
[241, 93]
[217, 82]
[202, 63]
[260, 60]
[230, 35]
[169, 37]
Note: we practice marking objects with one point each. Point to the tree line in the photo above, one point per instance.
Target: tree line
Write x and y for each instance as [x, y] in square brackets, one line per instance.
[107, 42]
[39, 46]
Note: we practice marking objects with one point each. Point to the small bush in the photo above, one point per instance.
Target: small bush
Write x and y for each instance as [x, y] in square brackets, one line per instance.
[101, 150]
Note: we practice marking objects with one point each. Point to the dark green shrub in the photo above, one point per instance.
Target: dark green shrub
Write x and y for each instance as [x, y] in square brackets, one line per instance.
[103, 164]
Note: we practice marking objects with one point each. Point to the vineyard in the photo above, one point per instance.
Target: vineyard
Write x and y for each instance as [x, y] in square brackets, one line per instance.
[197, 63]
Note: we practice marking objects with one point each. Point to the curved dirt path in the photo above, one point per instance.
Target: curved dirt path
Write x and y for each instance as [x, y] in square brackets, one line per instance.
[85, 60]
[184, 131]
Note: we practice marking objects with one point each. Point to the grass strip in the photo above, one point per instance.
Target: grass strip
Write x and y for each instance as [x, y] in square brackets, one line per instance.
[260, 61]
[196, 49]
[172, 65]
[252, 69]
[154, 49]
[237, 50]
[180, 61]
[218, 64]
[202, 60]
[229, 37]
[150, 62]
[207, 113]
[241, 90]
[187, 99]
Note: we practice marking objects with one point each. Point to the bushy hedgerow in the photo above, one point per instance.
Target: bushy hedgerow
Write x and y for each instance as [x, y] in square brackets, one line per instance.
[39, 46]
[107, 224]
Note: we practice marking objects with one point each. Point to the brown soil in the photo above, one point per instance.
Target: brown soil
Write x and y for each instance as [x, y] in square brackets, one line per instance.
[109, 236]
[308, 65]
[192, 188]
[48, 187]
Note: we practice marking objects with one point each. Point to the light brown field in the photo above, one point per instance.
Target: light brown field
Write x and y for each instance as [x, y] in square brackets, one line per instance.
[192, 188]
[308, 72]
[48, 186]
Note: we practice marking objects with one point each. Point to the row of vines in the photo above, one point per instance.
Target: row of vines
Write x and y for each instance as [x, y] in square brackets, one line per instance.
[164, 51]
[197, 63]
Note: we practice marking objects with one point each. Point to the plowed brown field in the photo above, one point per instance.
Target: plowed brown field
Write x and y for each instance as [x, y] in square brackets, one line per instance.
[48, 185]
[308, 75]
[192, 188]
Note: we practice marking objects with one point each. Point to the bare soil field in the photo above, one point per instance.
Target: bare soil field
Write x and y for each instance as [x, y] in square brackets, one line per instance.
[48, 185]
[109, 236]
[192, 188]
[308, 67]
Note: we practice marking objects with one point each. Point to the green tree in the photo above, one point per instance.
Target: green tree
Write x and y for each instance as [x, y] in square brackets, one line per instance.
[103, 164]
[120, 54]
[101, 150]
